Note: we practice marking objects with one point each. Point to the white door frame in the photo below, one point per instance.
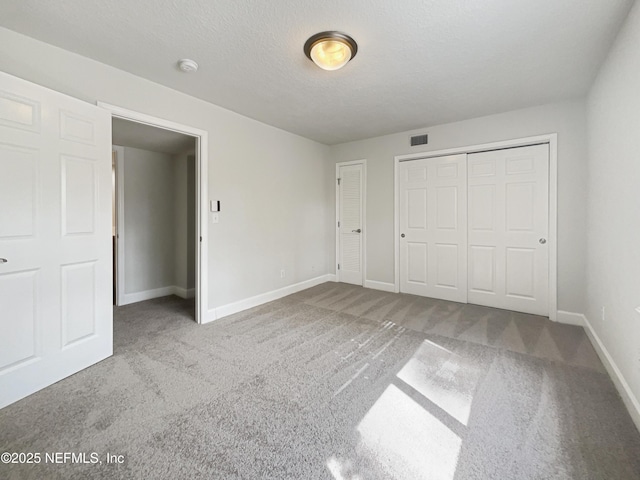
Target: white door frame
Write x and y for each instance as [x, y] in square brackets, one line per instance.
[202, 187]
[362, 162]
[120, 233]
[550, 139]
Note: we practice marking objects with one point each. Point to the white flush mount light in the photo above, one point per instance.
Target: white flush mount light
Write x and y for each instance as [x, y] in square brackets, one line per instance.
[330, 50]
[187, 66]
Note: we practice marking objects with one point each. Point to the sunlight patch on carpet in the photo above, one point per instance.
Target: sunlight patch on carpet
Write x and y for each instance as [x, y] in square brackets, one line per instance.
[407, 440]
[443, 377]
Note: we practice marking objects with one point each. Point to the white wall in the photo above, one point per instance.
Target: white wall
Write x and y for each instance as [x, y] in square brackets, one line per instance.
[613, 233]
[191, 222]
[271, 183]
[114, 218]
[566, 119]
[149, 220]
[185, 228]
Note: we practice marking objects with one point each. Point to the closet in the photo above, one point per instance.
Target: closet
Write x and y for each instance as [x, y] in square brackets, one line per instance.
[474, 228]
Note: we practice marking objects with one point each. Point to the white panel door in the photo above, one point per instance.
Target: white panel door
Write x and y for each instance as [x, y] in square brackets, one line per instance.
[508, 229]
[433, 227]
[55, 208]
[350, 202]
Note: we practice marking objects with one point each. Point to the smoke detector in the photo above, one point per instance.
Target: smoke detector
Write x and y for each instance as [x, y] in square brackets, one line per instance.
[187, 66]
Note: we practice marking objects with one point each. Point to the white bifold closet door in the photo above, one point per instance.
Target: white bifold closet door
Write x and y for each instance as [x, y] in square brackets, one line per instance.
[55, 237]
[433, 227]
[508, 229]
[474, 228]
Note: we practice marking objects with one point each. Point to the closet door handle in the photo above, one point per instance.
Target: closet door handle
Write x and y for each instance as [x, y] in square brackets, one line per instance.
[357, 231]
[3, 260]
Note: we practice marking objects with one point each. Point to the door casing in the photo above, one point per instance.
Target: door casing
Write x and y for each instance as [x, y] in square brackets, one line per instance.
[202, 188]
[120, 232]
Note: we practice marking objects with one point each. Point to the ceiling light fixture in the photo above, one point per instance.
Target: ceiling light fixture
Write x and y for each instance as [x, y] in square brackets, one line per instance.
[187, 66]
[330, 50]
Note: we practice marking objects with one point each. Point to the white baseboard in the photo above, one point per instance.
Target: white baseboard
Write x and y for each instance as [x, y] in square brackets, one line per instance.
[571, 318]
[158, 292]
[629, 399]
[239, 306]
[184, 292]
[384, 286]
[148, 294]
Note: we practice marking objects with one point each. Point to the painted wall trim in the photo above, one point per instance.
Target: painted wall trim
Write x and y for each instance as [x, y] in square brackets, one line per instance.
[158, 292]
[247, 303]
[552, 140]
[120, 232]
[482, 147]
[571, 318]
[148, 294]
[629, 399]
[383, 286]
[185, 293]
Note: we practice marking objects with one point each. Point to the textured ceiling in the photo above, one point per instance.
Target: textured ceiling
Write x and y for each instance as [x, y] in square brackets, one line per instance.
[139, 135]
[419, 63]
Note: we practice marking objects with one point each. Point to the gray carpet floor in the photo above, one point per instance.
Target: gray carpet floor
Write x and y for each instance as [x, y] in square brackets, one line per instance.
[336, 382]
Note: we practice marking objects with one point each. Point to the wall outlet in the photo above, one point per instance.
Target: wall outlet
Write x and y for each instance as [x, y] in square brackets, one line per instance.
[313, 268]
[282, 272]
[603, 313]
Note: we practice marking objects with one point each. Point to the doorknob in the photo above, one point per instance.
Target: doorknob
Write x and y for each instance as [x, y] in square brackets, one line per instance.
[543, 241]
[3, 260]
[402, 235]
[357, 231]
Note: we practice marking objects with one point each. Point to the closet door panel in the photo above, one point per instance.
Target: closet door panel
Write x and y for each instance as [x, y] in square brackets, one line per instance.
[509, 217]
[433, 226]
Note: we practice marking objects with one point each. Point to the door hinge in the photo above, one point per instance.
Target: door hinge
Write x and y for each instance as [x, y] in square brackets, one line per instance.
[338, 181]
[338, 266]
[338, 223]
[200, 238]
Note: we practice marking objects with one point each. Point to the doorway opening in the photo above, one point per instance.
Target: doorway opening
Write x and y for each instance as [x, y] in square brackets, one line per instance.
[154, 235]
[159, 219]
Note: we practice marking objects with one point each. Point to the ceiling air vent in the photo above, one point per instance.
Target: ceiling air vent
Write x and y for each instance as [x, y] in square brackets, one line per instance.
[419, 140]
